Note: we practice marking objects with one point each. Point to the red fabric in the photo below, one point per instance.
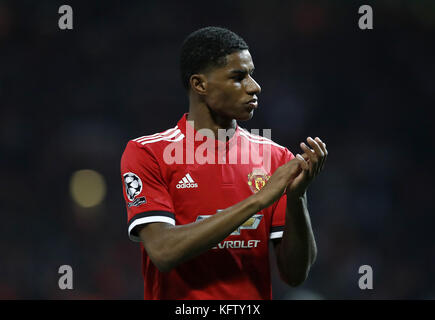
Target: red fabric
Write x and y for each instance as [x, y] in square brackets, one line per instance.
[238, 268]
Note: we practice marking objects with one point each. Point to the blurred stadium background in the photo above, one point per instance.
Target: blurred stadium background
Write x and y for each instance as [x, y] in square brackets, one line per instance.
[70, 101]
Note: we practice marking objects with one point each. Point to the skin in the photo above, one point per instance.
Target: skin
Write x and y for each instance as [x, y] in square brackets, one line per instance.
[218, 99]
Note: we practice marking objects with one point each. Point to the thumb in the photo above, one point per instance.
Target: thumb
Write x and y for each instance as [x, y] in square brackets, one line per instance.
[303, 163]
[295, 168]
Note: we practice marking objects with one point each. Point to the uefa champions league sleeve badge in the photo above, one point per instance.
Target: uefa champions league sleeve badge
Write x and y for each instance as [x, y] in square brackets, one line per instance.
[133, 187]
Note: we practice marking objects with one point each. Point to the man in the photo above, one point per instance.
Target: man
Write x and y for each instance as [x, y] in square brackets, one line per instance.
[204, 226]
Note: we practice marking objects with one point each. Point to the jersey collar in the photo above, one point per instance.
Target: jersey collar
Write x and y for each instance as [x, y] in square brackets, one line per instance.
[185, 126]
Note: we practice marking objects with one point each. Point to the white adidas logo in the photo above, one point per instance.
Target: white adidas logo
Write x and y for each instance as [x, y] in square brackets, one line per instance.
[186, 182]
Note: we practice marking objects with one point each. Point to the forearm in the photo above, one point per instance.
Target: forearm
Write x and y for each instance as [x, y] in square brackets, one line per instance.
[174, 245]
[167, 246]
[298, 246]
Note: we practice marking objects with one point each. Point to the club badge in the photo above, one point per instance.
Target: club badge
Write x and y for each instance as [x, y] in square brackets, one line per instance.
[257, 179]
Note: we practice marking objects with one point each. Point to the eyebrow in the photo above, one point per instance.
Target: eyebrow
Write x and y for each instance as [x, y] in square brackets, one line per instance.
[238, 71]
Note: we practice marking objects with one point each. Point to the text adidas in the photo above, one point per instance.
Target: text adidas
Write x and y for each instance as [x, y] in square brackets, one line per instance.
[186, 185]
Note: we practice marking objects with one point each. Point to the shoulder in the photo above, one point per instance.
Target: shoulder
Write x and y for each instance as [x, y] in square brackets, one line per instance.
[152, 144]
[156, 140]
[278, 151]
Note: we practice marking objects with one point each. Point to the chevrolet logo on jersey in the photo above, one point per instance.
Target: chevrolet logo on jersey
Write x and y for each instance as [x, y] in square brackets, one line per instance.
[250, 224]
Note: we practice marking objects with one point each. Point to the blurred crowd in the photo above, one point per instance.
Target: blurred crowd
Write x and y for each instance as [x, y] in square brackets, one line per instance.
[71, 100]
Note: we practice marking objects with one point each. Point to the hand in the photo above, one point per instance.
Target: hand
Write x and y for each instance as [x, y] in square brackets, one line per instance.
[312, 161]
[277, 183]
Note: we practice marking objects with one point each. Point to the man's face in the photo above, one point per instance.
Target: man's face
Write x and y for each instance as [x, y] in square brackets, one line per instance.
[231, 90]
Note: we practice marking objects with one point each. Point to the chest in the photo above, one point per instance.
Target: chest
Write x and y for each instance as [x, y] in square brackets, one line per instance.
[203, 189]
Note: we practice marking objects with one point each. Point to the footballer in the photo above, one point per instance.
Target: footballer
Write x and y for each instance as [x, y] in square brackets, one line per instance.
[204, 220]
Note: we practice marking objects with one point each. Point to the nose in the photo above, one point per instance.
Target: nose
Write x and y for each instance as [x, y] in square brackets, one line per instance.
[253, 87]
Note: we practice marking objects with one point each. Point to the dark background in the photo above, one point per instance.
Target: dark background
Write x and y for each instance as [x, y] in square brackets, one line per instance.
[72, 99]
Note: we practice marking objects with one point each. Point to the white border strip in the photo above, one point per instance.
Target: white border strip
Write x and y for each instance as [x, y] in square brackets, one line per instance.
[276, 234]
[190, 178]
[180, 137]
[265, 141]
[173, 134]
[156, 135]
[146, 220]
[253, 136]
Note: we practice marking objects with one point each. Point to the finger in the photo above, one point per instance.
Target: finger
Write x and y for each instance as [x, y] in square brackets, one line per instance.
[322, 145]
[319, 154]
[305, 156]
[304, 163]
[323, 148]
[307, 150]
[293, 167]
[313, 143]
[312, 158]
[309, 156]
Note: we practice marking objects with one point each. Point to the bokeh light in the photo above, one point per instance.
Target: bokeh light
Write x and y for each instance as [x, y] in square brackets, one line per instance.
[87, 188]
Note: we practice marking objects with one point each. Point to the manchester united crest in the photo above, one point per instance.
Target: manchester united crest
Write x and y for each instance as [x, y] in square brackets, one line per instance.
[257, 179]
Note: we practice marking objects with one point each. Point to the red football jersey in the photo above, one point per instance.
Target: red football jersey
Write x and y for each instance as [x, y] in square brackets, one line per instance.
[175, 177]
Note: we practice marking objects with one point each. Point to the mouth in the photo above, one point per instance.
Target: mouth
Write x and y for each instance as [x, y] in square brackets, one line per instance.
[253, 103]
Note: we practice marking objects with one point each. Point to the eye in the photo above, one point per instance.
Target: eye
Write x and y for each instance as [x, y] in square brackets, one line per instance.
[239, 76]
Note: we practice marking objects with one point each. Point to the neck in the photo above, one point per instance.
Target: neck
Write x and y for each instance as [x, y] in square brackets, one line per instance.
[204, 117]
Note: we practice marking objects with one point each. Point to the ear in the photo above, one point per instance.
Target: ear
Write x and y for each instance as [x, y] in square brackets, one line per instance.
[198, 83]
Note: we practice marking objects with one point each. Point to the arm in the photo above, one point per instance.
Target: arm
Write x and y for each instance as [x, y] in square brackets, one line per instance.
[297, 250]
[168, 246]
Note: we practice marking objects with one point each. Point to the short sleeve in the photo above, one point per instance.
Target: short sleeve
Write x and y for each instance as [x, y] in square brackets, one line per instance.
[145, 192]
[278, 217]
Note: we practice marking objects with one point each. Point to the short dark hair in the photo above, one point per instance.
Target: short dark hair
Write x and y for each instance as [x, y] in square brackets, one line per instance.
[207, 47]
